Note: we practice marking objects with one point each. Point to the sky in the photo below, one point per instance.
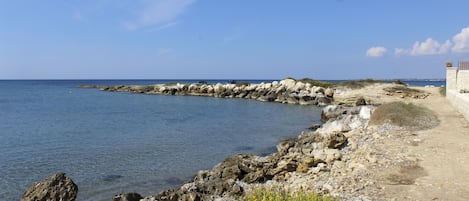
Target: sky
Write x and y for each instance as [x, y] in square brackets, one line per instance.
[231, 39]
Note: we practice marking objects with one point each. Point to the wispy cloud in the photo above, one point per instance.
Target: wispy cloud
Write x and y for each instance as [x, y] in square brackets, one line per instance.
[427, 47]
[162, 51]
[164, 26]
[78, 16]
[162, 13]
[377, 51]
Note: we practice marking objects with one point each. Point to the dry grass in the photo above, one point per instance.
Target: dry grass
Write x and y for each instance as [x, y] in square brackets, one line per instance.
[352, 84]
[404, 115]
[279, 194]
[358, 84]
[442, 91]
[402, 89]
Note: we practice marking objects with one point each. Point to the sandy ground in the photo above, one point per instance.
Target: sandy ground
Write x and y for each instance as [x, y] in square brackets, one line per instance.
[443, 153]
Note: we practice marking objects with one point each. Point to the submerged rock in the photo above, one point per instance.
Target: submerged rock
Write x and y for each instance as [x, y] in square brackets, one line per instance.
[127, 197]
[55, 187]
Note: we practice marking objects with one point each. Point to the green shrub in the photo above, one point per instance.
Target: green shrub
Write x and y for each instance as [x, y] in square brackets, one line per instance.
[405, 115]
[239, 84]
[353, 84]
[317, 83]
[279, 194]
[399, 82]
[170, 83]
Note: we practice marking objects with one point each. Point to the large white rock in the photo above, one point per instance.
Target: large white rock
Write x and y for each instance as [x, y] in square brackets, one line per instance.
[299, 86]
[288, 83]
[365, 112]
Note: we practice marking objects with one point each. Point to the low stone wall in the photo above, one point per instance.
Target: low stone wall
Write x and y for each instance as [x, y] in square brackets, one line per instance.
[460, 101]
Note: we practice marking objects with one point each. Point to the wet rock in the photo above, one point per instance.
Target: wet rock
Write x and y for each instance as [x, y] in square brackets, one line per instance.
[55, 187]
[314, 127]
[332, 111]
[112, 177]
[127, 197]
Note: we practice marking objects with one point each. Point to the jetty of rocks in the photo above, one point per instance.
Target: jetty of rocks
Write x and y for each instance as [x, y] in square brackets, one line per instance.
[285, 91]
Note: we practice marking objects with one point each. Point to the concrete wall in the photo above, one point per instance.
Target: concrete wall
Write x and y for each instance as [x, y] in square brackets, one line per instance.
[459, 101]
[451, 76]
[457, 80]
[462, 80]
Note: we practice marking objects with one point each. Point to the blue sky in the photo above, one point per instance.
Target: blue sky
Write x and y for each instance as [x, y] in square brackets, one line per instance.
[231, 39]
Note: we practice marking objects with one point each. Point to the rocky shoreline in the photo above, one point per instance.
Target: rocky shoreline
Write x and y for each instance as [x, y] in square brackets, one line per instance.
[287, 91]
[343, 158]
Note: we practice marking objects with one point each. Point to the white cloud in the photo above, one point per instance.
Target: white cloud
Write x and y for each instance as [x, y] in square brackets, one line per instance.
[445, 47]
[377, 51]
[428, 47]
[459, 44]
[461, 41]
[401, 51]
[158, 12]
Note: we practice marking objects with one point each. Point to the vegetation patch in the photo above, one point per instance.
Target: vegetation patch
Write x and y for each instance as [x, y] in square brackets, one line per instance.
[317, 83]
[170, 83]
[406, 115]
[442, 90]
[240, 84]
[353, 84]
[399, 82]
[402, 89]
[358, 84]
[280, 194]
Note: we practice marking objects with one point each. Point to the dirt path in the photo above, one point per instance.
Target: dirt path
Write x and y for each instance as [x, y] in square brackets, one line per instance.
[444, 154]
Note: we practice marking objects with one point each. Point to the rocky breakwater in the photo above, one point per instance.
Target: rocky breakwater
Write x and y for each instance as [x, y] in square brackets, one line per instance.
[312, 154]
[285, 91]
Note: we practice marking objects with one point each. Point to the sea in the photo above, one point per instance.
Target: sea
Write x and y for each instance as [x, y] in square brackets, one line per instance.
[111, 143]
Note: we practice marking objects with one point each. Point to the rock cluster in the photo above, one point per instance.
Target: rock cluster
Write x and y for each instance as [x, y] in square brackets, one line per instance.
[310, 153]
[285, 91]
[340, 158]
[55, 187]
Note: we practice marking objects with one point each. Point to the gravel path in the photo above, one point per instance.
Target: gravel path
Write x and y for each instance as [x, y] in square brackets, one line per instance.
[443, 153]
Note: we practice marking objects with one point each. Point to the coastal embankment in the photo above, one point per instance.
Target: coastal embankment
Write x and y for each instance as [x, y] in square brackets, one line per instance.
[381, 141]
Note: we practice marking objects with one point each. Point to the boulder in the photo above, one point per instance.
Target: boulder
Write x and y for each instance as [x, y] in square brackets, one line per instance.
[127, 197]
[332, 112]
[55, 187]
[329, 92]
[288, 83]
[360, 101]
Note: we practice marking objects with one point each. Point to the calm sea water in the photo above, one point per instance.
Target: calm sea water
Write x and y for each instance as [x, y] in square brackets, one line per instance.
[110, 143]
[435, 83]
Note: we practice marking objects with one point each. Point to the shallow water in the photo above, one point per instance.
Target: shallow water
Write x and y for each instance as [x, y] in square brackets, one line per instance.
[111, 143]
